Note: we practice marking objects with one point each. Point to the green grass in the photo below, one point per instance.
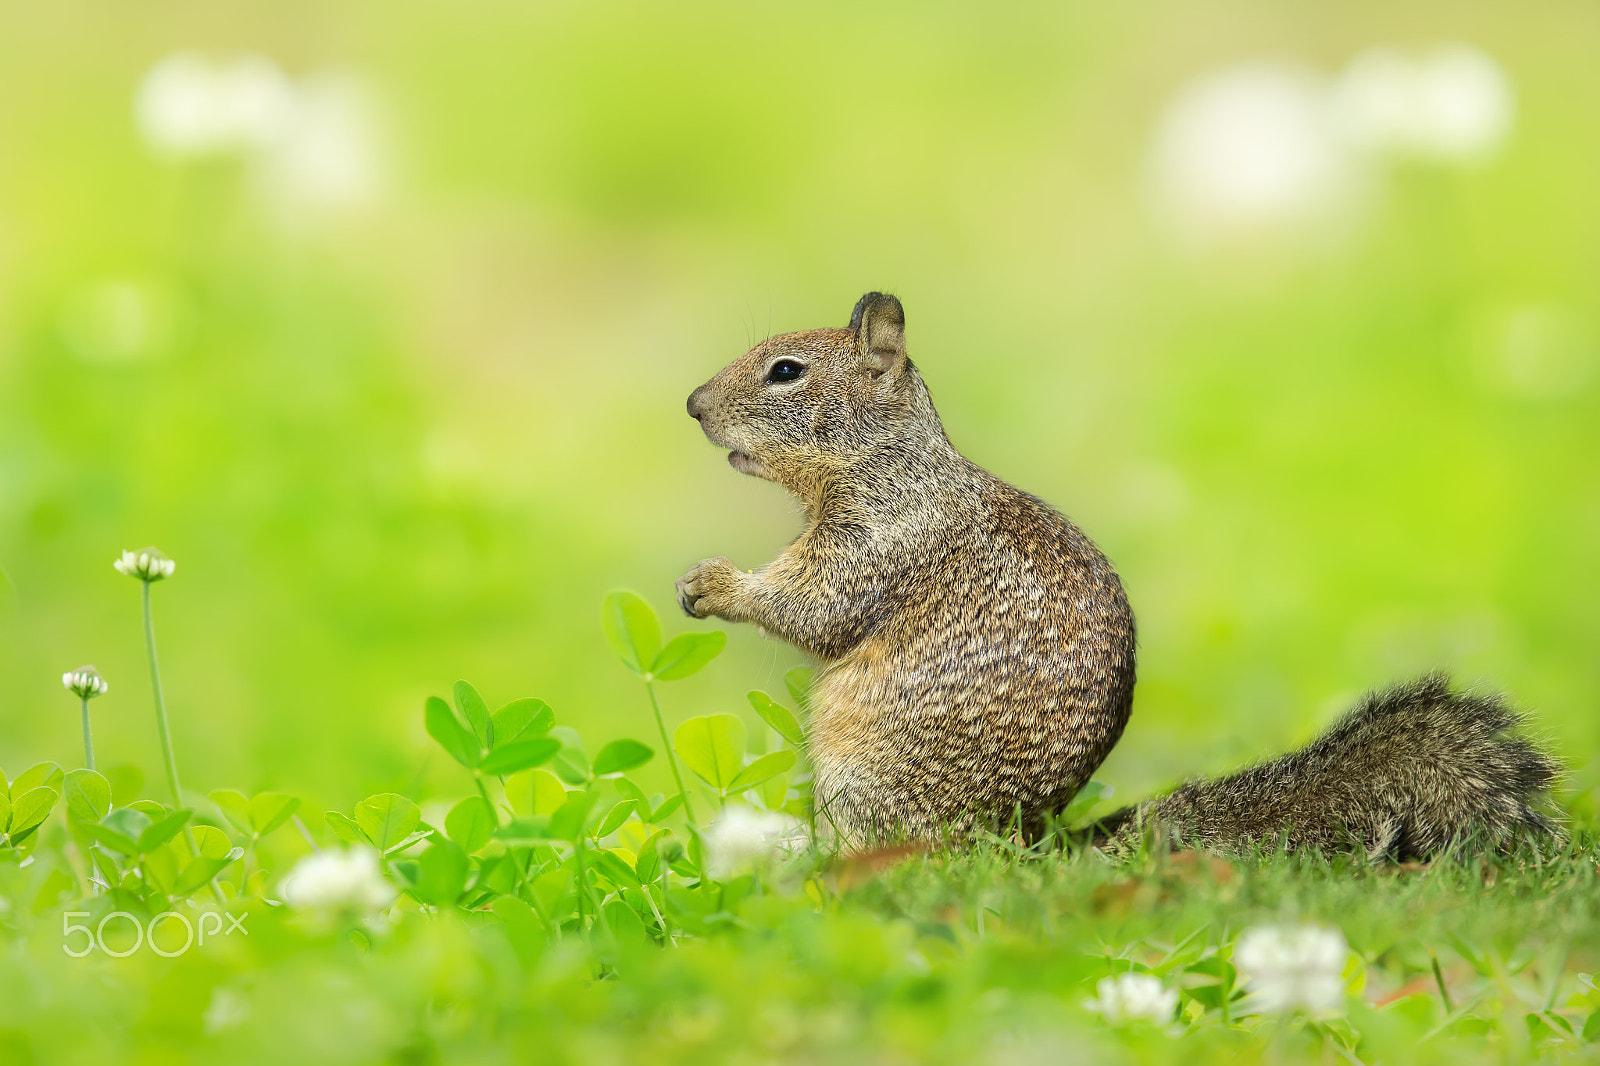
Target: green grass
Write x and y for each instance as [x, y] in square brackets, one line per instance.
[965, 958]
[557, 912]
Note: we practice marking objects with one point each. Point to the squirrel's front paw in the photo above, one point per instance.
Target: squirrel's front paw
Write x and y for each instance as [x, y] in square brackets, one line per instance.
[704, 590]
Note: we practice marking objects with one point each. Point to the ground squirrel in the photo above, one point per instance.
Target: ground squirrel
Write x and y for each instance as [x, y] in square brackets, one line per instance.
[976, 650]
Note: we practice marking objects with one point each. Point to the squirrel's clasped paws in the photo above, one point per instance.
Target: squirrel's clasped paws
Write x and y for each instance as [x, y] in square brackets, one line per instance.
[702, 591]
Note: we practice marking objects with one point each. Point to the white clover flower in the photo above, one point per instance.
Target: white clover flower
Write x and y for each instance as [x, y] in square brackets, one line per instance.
[310, 145]
[331, 156]
[335, 880]
[744, 839]
[1294, 967]
[1134, 997]
[1252, 149]
[85, 683]
[1451, 104]
[146, 564]
[192, 105]
[1271, 147]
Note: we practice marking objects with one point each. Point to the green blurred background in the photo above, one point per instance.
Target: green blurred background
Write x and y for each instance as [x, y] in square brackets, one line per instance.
[392, 357]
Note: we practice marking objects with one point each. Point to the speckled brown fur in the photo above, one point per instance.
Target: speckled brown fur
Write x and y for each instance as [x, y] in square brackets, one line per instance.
[975, 649]
[1410, 771]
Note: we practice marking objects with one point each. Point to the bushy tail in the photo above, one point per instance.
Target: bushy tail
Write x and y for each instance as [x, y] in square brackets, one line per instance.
[1411, 770]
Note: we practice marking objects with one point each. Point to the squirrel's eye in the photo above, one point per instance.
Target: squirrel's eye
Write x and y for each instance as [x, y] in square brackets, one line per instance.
[785, 370]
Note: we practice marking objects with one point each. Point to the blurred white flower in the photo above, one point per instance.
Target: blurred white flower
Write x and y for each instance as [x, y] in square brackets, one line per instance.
[745, 838]
[311, 145]
[1274, 147]
[191, 105]
[1452, 103]
[146, 564]
[333, 880]
[85, 683]
[1249, 149]
[329, 154]
[1130, 997]
[1294, 967]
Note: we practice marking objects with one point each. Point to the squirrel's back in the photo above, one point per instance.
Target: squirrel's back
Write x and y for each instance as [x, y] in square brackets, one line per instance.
[997, 674]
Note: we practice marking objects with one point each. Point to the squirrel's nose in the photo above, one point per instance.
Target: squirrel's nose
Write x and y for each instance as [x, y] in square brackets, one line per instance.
[697, 403]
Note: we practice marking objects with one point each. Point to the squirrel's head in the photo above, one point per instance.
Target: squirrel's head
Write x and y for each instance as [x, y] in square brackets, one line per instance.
[802, 405]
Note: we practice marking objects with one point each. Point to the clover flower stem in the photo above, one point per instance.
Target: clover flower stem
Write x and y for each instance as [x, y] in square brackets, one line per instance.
[311, 840]
[583, 880]
[666, 930]
[533, 896]
[666, 744]
[244, 866]
[166, 734]
[661, 919]
[161, 704]
[88, 743]
[587, 889]
[525, 893]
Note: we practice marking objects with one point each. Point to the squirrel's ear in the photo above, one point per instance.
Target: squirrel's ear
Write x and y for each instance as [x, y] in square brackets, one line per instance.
[879, 323]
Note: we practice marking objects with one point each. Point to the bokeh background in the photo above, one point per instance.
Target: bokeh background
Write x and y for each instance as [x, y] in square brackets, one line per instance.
[379, 319]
